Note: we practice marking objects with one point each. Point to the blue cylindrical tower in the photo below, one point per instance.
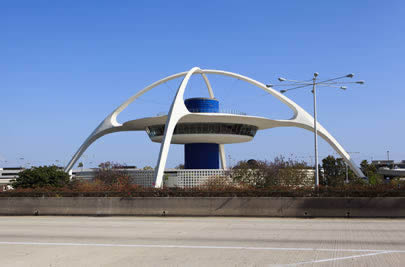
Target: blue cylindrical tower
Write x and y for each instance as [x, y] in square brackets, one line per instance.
[201, 104]
[201, 155]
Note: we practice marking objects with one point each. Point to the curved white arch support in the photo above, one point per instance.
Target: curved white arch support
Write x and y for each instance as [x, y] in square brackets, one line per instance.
[110, 124]
[177, 111]
[322, 132]
[105, 127]
[308, 124]
[208, 84]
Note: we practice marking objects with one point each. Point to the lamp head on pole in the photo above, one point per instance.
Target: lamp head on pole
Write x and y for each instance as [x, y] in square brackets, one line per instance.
[360, 82]
[351, 75]
[283, 91]
[316, 74]
[281, 79]
[343, 87]
[269, 85]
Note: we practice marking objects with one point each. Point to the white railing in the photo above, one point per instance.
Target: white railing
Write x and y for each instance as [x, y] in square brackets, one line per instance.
[199, 110]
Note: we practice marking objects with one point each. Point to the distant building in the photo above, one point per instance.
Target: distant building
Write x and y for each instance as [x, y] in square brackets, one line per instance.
[390, 168]
[7, 175]
[172, 177]
[388, 163]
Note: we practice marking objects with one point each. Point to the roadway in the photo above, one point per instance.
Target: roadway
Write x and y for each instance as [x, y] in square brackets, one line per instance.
[206, 241]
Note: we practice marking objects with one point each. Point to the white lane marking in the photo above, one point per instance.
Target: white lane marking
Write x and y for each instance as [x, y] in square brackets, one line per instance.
[339, 258]
[194, 247]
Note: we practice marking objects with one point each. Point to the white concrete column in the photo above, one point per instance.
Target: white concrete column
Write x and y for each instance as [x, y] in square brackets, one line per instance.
[222, 156]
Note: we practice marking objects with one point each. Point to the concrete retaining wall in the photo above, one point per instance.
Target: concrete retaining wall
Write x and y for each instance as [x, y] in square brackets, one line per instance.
[204, 206]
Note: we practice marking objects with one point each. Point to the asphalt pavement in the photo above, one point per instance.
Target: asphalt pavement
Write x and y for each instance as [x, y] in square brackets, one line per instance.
[200, 241]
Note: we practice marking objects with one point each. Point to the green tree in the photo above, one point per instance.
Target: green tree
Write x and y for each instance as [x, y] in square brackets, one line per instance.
[111, 173]
[269, 173]
[147, 168]
[41, 177]
[180, 166]
[334, 171]
[370, 171]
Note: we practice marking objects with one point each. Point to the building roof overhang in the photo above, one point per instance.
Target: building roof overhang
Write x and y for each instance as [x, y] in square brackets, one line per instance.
[260, 122]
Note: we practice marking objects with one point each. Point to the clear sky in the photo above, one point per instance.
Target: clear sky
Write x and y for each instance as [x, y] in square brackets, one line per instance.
[65, 65]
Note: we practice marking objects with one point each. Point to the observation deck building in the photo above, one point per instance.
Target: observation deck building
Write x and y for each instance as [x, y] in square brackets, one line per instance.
[199, 124]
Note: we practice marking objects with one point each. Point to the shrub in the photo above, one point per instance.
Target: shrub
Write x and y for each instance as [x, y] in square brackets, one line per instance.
[334, 171]
[41, 177]
[111, 173]
[215, 182]
[370, 171]
[99, 189]
[279, 172]
[147, 168]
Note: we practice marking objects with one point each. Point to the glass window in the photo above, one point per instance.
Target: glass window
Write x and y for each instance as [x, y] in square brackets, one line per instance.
[205, 128]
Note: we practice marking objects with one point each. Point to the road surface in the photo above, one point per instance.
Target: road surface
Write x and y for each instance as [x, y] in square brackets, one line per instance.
[206, 241]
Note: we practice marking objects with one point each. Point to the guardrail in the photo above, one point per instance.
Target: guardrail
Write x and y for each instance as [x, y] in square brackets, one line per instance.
[206, 206]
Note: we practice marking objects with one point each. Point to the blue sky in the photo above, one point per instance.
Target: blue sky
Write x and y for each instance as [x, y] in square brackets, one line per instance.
[66, 64]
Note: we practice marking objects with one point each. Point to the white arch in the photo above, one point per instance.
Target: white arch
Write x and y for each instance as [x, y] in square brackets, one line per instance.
[177, 111]
[208, 84]
[301, 119]
[110, 124]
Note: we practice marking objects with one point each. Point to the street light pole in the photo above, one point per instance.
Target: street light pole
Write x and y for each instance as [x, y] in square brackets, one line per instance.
[347, 173]
[294, 84]
[315, 131]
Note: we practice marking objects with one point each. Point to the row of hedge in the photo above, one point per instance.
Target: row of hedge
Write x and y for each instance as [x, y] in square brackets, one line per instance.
[388, 190]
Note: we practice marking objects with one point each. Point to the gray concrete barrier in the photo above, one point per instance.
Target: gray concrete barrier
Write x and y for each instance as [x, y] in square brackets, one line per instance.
[205, 206]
